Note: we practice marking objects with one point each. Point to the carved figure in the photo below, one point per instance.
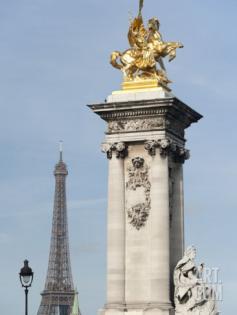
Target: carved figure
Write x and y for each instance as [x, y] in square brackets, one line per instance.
[147, 49]
[192, 295]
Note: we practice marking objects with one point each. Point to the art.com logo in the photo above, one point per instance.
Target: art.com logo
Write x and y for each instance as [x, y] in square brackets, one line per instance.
[213, 286]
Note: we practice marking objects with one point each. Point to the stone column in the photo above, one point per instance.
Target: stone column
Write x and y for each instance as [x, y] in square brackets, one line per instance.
[160, 224]
[116, 226]
[177, 224]
[177, 241]
[138, 118]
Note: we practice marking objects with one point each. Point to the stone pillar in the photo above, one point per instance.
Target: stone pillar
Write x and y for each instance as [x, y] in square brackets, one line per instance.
[177, 215]
[145, 229]
[116, 227]
[160, 229]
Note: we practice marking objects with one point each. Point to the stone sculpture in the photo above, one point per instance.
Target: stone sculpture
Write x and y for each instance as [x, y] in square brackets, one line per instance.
[192, 295]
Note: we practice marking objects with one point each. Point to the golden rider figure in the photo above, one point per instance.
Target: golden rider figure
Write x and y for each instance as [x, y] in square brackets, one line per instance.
[147, 49]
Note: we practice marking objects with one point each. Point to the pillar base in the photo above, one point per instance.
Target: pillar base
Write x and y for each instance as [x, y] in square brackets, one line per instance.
[138, 310]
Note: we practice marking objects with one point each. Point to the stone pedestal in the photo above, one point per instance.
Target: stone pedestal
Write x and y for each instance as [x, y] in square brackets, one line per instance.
[145, 146]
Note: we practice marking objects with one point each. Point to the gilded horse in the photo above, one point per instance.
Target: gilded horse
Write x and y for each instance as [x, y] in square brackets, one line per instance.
[147, 49]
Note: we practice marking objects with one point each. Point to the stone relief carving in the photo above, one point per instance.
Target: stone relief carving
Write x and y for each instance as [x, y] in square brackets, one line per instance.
[119, 147]
[166, 147]
[138, 177]
[192, 294]
[151, 146]
[137, 124]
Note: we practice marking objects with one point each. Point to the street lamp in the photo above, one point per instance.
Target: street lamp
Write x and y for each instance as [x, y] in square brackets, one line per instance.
[26, 277]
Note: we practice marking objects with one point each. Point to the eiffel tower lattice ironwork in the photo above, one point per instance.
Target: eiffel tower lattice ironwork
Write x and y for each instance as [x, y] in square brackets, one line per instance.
[58, 295]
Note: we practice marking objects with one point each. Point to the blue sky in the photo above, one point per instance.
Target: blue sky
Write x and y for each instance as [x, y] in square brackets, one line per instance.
[53, 61]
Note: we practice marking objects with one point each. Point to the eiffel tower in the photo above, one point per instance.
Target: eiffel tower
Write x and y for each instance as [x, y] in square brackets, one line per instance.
[59, 295]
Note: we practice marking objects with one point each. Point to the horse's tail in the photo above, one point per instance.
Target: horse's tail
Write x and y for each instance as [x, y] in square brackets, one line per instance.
[113, 59]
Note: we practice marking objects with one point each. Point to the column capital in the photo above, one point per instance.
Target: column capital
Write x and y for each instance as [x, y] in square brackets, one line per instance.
[120, 149]
[167, 147]
[180, 155]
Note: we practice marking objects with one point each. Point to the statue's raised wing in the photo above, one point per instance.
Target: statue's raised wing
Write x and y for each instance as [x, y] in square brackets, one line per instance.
[137, 34]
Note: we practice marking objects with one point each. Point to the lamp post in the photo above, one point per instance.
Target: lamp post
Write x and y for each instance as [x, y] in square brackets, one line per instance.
[26, 277]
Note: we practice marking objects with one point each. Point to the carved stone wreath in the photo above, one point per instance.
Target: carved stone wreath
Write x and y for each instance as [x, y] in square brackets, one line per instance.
[138, 177]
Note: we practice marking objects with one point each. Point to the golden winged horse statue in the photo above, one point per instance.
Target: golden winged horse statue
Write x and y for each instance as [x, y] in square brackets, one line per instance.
[147, 50]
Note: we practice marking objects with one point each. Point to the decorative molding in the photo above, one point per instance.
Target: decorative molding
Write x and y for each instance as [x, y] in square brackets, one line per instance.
[181, 155]
[167, 147]
[151, 146]
[119, 147]
[176, 115]
[139, 177]
[128, 125]
[164, 145]
[136, 112]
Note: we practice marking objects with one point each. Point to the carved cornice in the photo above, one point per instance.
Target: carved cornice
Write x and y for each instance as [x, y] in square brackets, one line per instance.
[120, 148]
[167, 147]
[133, 113]
[144, 115]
